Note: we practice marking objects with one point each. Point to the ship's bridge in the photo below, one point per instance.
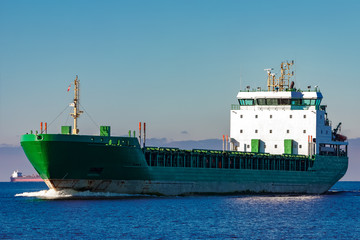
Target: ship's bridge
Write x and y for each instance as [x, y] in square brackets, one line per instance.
[280, 122]
[274, 98]
[283, 120]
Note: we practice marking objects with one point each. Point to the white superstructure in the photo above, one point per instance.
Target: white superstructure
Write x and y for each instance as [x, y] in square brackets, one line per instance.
[16, 174]
[283, 120]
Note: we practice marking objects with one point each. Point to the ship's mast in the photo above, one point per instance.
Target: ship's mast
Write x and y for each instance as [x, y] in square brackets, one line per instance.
[76, 104]
[282, 83]
[271, 79]
[286, 74]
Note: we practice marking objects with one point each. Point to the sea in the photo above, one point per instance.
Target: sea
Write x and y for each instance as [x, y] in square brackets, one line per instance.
[32, 211]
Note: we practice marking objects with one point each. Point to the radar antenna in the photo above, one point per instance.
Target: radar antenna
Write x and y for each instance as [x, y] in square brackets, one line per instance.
[282, 83]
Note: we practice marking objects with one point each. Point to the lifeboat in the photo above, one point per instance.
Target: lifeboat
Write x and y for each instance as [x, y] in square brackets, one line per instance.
[341, 138]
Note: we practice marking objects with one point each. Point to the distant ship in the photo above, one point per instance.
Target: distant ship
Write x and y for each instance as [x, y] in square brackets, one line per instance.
[18, 177]
[281, 141]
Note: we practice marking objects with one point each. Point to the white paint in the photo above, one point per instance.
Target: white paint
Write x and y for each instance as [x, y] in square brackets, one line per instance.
[273, 124]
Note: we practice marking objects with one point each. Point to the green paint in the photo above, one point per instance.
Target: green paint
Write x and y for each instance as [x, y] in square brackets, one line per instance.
[288, 146]
[105, 131]
[74, 156]
[67, 157]
[255, 145]
[66, 130]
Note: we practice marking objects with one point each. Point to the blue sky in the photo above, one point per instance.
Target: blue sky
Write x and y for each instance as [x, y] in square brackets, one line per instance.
[176, 65]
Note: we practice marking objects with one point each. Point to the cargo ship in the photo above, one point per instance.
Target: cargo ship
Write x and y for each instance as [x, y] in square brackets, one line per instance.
[281, 141]
[17, 176]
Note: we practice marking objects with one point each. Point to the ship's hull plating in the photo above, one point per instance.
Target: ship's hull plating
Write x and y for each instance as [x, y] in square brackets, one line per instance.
[97, 164]
[25, 179]
[184, 188]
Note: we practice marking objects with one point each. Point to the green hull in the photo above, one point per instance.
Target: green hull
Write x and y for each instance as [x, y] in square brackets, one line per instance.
[118, 164]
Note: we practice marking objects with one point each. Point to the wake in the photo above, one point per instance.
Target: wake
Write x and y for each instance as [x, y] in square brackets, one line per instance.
[52, 194]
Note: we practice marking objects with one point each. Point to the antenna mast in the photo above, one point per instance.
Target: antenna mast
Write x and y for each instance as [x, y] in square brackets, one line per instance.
[76, 104]
[286, 74]
[282, 83]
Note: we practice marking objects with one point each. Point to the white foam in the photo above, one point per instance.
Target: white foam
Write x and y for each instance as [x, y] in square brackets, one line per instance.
[278, 198]
[61, 194]
[47, 194]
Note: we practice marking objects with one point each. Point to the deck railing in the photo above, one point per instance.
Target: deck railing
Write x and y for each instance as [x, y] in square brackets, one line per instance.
[235, 107]
[198, 158]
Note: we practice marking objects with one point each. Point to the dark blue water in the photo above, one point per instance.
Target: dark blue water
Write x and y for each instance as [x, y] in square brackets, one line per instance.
[331, 216]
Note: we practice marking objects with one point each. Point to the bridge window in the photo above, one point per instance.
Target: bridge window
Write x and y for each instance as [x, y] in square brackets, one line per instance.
[317, 102]
[276, 102]
[295, 102]
[246, 102]
[308, 102]
[284, 101]
[272, 101]
[261, 101]
[304, 102]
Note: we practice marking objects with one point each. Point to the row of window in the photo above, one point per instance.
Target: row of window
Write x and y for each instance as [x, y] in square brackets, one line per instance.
[275, 146]
[276, 102]
[256, 116]
[287, 131]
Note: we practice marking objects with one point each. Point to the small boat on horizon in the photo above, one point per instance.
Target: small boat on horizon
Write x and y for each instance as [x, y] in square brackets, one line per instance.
[17, 176]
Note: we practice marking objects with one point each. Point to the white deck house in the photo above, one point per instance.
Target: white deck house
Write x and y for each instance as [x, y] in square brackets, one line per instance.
[282, 122]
